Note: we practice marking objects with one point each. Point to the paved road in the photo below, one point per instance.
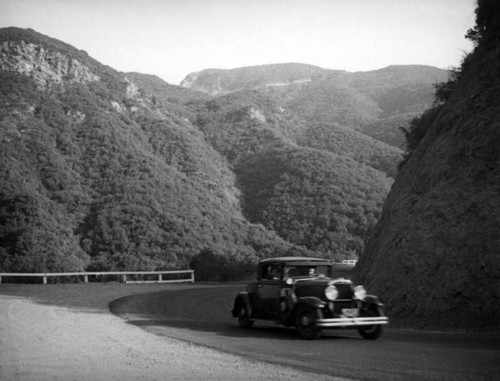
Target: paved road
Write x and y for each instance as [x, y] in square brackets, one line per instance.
[65, 332]
[201, 315]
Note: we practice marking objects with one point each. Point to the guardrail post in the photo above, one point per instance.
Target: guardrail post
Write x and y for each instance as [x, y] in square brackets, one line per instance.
[124, 278]
[160, 277]
[86, 278]
[44, 279]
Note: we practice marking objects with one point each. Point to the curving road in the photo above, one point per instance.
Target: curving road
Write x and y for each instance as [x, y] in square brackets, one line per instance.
[201, 315]
[66, 332]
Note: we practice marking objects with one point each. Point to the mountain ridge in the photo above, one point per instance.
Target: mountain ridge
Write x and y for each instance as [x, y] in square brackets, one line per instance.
[248, 77]
[264, 75]
[358, 100]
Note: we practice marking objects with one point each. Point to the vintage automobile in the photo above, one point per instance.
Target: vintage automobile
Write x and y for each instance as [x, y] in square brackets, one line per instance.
[303, 292]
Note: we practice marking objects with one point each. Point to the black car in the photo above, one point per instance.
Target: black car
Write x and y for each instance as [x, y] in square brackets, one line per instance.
[303, 292]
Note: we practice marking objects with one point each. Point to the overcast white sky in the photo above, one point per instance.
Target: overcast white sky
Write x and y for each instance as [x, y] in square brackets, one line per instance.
[171, 38]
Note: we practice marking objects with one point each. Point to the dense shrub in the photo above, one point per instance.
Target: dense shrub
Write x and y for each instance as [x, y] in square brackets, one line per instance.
[209, 266]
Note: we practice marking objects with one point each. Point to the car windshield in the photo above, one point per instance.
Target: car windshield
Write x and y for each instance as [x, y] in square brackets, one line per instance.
[293, 271]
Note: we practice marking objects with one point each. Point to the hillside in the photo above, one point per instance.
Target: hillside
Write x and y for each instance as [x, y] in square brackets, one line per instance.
[102, 170]
[361, 100]
[434, 255]
[288, 170]
[317, 199]
[97, 175]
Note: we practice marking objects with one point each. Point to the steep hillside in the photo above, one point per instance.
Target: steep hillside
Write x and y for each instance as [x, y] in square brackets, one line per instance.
[353, 144]
[331, 99]
[317, 199]
[246, 122]
[388, 130]
[435, 254]
[96, 174]
[317, 186]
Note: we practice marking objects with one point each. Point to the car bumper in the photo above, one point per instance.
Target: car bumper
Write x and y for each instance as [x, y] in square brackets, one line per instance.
[352, 322]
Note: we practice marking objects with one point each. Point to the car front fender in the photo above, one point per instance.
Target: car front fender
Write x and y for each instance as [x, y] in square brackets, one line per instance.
[310, 301]
[372, 302]
[242, 297]
[372, 299]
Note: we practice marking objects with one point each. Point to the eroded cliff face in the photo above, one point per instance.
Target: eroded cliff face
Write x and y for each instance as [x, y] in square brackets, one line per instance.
[435, 255]
[46, 67]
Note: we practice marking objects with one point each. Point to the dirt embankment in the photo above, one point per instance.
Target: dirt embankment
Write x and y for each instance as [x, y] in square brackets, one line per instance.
[434, 255]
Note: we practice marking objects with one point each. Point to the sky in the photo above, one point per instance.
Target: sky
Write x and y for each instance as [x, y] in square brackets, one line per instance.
[172, 38]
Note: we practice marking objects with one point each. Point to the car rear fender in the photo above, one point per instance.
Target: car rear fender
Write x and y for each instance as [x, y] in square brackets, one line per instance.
[242, 297]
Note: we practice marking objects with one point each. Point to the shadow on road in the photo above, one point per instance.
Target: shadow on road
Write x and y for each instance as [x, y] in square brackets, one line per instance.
[260, 330]
[203, 311]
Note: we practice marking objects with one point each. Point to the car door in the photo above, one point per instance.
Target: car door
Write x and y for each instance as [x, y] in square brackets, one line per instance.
[267, 291]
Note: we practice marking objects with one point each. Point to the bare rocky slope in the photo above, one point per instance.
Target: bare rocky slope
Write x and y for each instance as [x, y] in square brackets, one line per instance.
[435, 254]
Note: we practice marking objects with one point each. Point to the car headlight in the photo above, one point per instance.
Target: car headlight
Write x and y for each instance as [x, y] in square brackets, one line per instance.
[359, 292]
[331, 292]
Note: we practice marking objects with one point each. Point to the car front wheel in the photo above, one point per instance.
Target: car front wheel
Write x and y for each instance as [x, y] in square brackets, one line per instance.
[370, 332]
[244, 316]
[305, 321]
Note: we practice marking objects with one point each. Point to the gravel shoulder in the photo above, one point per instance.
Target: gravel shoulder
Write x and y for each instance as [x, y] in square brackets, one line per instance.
[66, 332]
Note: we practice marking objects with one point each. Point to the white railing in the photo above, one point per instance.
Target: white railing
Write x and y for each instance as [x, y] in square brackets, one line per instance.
[121, 274]
[349, 262]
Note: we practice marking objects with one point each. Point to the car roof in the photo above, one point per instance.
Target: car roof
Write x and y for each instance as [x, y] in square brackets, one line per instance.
[295, 259]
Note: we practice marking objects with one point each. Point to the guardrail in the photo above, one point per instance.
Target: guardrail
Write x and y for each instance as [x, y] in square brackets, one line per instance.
[121, 275]
[348, 262]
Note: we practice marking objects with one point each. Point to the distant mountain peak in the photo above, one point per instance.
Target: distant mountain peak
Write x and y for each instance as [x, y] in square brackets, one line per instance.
[224, 81]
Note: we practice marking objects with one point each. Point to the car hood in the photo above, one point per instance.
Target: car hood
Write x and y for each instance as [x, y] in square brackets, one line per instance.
[316, 287]
[320, 281]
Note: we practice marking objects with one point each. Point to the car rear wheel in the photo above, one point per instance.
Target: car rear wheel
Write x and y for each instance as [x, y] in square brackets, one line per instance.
[244, 316]
[370, 332]
[305, 321]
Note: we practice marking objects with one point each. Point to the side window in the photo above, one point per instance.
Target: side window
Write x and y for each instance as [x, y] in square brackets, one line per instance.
[291, 271]
[271, 272]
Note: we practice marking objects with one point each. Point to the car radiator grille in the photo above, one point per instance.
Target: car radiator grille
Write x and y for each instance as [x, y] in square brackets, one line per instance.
[345, 291]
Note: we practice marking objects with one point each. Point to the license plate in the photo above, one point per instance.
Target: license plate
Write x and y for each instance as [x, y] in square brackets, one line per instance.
[350, 312]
